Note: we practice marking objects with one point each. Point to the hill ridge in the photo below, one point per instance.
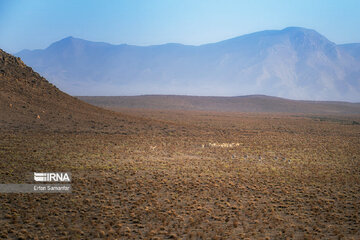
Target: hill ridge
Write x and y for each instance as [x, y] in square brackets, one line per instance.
[252, 103]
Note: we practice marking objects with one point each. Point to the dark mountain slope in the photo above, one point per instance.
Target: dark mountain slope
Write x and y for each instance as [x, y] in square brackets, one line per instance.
[29, 102]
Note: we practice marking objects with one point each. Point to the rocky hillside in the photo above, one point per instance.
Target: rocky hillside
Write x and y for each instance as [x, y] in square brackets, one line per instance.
[29, 102]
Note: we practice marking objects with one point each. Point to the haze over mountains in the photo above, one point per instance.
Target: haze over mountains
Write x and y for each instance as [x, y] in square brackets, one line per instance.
[295, 63]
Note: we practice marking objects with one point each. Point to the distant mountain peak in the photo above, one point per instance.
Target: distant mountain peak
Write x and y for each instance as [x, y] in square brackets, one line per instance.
[73, 42]
[65, 42]
[297, 29]
[308, 40]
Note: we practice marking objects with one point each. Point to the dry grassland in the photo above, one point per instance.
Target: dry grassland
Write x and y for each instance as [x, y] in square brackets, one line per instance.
[202, 176]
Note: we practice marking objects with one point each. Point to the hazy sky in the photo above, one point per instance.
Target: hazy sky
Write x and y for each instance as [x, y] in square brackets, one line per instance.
[35, 24]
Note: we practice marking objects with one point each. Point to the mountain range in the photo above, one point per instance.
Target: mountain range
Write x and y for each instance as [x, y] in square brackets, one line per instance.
[295, 63]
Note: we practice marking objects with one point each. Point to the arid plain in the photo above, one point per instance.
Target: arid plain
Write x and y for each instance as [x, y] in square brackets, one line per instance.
[173, 174]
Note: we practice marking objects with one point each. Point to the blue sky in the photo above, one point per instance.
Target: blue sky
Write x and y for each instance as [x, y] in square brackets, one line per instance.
[32, 24]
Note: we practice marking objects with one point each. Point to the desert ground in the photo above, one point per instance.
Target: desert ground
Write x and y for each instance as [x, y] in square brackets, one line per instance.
[203, 175]
[173, 174]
